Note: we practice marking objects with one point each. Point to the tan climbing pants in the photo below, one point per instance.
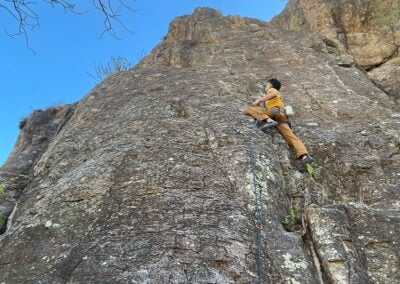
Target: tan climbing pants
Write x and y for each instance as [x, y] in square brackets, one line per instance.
[282, 127]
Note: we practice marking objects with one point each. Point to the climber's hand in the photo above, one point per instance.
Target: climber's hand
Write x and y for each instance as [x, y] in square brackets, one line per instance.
[255, 103]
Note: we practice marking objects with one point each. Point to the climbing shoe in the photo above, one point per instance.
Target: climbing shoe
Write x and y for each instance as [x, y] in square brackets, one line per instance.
[307, 160]
[268, 124]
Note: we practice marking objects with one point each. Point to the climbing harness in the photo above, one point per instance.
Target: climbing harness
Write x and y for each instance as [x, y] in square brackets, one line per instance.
[280, 110]
[257, 212]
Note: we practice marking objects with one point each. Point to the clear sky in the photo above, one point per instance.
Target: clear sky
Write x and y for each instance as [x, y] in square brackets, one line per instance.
[68, 46]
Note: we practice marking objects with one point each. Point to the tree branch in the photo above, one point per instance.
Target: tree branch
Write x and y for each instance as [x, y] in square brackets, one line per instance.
[26, 17]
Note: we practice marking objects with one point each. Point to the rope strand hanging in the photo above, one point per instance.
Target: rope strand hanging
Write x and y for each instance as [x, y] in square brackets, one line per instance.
[257, 211]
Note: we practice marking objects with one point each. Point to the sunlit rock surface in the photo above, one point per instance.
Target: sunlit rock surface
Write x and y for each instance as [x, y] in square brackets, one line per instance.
[368, 30]
[148, 179]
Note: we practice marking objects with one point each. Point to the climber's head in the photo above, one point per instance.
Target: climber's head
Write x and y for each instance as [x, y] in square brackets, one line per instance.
[273, 83]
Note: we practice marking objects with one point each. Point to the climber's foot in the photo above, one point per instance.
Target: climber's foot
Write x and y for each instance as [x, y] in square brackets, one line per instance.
[258, 122]
[306, 159]
[268, 124]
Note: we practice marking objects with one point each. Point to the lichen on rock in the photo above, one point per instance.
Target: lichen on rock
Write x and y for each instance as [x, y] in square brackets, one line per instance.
[367, 30]
[148, 177]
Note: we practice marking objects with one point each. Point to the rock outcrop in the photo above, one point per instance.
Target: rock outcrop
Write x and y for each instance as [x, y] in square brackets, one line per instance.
[37, 131]
[369, 30]
[150, 181]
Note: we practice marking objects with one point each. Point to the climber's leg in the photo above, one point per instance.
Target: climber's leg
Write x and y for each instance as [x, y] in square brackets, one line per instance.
[292, 139]
[257, 113]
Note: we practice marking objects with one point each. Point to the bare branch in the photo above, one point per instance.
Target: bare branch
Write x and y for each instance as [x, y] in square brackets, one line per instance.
[110, 16]
[128, 7]
[115, 65]
[24, 14]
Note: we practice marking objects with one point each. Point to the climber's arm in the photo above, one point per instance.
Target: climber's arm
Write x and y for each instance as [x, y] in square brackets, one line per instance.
[269, 96]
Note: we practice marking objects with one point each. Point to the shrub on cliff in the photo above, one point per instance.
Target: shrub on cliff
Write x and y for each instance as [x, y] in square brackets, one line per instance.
[115, 65]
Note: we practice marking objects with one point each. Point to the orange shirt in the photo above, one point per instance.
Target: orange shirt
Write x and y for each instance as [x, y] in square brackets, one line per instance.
[276, 101]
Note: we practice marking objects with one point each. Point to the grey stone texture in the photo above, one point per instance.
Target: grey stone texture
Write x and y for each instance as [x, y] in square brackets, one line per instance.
[147, 179]
[367, 30]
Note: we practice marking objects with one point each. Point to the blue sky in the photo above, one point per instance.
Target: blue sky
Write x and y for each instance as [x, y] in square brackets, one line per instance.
[68, 46]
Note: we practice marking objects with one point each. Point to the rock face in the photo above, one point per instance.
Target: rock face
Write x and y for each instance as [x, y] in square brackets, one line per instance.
[36, 134]
[369, 30]
[150, 179]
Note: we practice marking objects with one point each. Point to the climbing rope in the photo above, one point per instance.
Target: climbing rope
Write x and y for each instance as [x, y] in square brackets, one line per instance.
[257, 211]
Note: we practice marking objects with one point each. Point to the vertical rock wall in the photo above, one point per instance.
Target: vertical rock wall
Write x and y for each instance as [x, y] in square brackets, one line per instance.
[149, 181]
[368, 30]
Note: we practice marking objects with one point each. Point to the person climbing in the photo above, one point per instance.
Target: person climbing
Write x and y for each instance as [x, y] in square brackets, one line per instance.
[274, 115]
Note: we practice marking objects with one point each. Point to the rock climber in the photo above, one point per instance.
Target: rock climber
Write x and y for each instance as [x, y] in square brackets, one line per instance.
[274, 115]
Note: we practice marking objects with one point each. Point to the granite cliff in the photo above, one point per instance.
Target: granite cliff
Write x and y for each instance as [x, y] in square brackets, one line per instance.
[367, 32]
[148, 179]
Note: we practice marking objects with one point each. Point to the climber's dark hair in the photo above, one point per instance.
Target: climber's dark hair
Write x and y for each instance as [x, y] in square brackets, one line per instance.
[275, 83]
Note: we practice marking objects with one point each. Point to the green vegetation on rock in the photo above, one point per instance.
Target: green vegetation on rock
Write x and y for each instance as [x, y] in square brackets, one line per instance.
[291, 219]
[2, 221]
[311, 170]
[2, 189]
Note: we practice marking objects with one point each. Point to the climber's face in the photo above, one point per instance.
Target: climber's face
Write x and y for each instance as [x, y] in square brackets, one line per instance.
[269, 86]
